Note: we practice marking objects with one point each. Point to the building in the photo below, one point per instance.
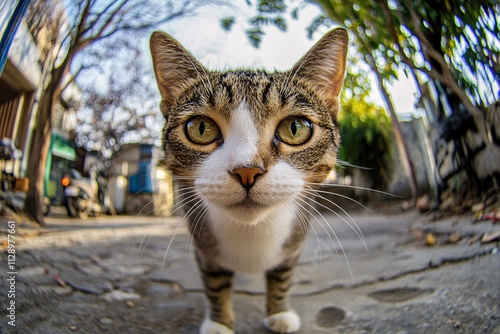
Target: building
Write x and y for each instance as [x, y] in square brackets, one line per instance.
[138, 185]
[20, 82]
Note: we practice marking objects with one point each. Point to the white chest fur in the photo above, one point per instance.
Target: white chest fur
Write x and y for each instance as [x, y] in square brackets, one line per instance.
[245, 248]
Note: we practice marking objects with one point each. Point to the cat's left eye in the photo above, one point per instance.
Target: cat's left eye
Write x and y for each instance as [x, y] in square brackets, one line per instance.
[294, 130]
[202, 130]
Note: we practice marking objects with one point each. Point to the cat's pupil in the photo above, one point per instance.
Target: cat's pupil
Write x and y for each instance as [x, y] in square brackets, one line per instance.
[293, 127]
[202, 128]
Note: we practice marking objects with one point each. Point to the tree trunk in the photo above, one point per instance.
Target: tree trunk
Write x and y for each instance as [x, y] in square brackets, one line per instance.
[404, 153]
[38, 157]
[41, 142]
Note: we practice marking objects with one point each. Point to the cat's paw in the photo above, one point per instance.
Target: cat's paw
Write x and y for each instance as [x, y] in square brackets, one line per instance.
[212, 327]
[283, 322]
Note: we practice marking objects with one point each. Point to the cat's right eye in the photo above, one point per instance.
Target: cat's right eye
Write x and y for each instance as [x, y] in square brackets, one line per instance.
[202, 130]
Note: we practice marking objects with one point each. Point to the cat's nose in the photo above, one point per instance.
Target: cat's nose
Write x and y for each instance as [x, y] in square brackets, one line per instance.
[247, 175]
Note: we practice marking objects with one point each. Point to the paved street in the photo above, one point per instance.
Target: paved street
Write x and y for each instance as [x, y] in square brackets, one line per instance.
[113, 275]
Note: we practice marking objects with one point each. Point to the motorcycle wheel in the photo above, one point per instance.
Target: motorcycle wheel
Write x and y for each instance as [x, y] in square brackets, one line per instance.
[70, 207]
[46, 206]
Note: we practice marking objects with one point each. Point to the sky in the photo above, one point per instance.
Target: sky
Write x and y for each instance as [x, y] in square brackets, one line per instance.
[203, 36]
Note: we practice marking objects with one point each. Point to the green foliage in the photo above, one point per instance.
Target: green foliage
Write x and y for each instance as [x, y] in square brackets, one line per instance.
[271, 6]
[417, 34]
[270, 13]
[467, 34]
[227, 23]
[255, 36]
[255, 32]
[365, 132]
[366, 21]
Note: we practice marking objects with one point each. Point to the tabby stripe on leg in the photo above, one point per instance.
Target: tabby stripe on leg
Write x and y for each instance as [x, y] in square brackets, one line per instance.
[217, 283]
[278, 284]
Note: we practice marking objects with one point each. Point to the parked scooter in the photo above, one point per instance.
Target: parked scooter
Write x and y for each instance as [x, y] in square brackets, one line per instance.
[9, 154]
[84, 195]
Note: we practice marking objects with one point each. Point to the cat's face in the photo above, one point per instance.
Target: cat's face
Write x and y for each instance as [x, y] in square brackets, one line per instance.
[250, 141]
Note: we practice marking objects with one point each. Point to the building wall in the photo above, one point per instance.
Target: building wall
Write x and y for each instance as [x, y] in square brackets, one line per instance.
[18, 85]
[7, 8]
[155, 196]
[414, 132]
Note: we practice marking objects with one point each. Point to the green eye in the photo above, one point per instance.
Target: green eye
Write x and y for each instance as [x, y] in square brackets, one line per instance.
[294, 130]
[202, 130]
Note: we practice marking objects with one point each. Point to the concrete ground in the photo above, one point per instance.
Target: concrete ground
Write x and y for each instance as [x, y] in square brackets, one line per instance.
[114, 275]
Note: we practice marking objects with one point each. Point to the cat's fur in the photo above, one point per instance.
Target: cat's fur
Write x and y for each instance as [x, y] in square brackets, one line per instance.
[247, 186]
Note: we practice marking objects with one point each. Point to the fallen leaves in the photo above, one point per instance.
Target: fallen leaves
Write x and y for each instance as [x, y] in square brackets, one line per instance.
[434, 238]
[454, 238]
[430, 239]
[58, 280]
[490, 237]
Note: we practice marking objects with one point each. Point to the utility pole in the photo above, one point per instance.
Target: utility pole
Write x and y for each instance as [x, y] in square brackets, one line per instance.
[10, 31]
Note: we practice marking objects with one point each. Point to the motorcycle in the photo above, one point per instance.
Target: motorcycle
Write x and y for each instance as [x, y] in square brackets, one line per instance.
[9, 154]
[85, 196]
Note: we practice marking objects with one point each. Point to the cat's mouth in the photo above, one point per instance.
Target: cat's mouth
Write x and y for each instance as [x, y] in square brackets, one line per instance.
[248, 211]
[248, 204]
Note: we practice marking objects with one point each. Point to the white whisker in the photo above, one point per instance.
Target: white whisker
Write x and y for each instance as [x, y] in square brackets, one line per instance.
[334, 234]
[306, 222]
[142, 189]
[317, 220]
[182, 203]
[353, 187]
[199, 218]
[343, 196]
[144, 207]
[356, 230]
[342, 164]
[184, 219]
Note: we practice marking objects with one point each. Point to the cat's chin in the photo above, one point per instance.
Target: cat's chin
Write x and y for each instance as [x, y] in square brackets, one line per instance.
[246, 212]
[248, 205]
[249, 212]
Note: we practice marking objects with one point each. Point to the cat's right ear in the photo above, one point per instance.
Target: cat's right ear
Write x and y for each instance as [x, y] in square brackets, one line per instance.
[175, 68]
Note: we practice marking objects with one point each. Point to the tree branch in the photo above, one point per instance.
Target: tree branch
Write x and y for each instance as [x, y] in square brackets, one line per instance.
[446, 77]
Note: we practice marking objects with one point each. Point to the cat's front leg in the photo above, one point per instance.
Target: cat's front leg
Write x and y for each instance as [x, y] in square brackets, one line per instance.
[217, 283]
[280, 317]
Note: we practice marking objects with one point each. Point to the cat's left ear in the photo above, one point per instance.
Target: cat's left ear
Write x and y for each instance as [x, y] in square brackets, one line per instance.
[324, 65]
[175, 68]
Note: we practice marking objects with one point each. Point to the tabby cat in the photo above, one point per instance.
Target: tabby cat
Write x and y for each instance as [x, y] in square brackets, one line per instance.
[247, 147]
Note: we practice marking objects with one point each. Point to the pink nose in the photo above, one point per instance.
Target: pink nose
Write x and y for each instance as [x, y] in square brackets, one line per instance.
[247, 175]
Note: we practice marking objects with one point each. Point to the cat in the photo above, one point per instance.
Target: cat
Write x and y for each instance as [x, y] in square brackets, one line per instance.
[247, 147]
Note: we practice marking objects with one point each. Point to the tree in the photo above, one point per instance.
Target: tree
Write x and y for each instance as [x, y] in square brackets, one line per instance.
[270, 12]
[453, 43]
[371, 39]
[365, 130]
[81, 24]
[124, 109]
